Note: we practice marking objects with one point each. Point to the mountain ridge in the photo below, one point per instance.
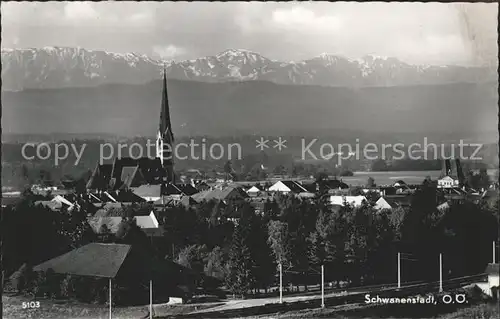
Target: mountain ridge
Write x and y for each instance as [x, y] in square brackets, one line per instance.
[52, 67]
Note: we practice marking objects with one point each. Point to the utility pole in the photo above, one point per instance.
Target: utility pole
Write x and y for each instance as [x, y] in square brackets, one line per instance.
[399, 270]
[281, 282]
[440, 272]
[2, 271]
[110, 299]
[322, 286]
[494, 250]
[151, 299]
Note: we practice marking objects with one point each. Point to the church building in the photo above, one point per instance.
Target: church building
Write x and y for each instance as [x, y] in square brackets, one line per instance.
[129, 173]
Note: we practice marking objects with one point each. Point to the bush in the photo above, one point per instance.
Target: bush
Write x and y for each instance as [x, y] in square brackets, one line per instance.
[52, 284]
[483, 311]
[17, 280]
[67, 287]
[38, 287]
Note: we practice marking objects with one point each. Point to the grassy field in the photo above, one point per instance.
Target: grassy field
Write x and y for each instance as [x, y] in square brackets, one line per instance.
[477, 309]
[49, 309]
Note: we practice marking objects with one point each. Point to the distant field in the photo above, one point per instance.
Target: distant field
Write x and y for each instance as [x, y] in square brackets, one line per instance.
[410, 177]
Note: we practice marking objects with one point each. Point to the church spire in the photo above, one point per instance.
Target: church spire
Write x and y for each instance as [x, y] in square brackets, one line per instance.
[165, 137]
[165, 128]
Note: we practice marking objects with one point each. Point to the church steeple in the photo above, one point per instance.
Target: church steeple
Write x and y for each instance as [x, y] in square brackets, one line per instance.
[165, 127]
[165, 136]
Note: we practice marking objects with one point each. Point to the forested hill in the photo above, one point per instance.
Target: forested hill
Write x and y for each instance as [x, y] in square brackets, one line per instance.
[255, 107]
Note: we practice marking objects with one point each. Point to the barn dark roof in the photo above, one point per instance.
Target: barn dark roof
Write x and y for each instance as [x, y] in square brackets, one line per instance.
[100, 177]
[327, 184]
[126, 196]
[92, 260]
[187, 189]
[335, 184]
[294, 186]
[398, 200]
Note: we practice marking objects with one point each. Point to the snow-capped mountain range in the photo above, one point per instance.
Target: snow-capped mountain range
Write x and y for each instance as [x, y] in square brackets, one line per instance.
[54, 67]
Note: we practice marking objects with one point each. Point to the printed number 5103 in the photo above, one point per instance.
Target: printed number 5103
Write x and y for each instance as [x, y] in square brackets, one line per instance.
[31, 305]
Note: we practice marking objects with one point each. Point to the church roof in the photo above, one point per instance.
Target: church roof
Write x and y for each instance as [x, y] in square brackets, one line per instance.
[100, 177]
[127, 172]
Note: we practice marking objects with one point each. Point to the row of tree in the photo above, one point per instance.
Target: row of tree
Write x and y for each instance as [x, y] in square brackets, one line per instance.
[356, 245]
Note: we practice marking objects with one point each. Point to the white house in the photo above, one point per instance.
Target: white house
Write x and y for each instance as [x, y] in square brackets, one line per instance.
[148, 223]
[253, 190]
[491, 287]
[448, 182]
[287, 187]
[150, 193]
[382, 203]
[355, 201]
[62, 200]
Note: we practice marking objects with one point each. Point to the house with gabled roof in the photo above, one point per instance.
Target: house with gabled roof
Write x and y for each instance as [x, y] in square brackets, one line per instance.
[448, 182]
[383, 203]
[253, 190]
[127, 265]
[288, 186]
[230, 193]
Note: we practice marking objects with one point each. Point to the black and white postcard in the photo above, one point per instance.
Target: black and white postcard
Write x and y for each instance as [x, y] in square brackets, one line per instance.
[249, 160]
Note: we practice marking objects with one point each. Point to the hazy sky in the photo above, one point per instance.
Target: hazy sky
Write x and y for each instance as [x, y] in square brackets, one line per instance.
[431, 33]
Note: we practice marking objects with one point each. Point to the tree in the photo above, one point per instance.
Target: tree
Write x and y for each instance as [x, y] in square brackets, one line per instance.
[215, 265]
[372, 196]
[357, 242]
[379, 165]
[327, 242]
[484, 178]
[346, 172]
[279, 241]
[478, 181]
[370, 182]
[25, 174]
[321, 176]
[194, 257]
[427, 181]
[105, 233]
[397, 217]
[228, 169]
[80, 186]
[240, 264]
